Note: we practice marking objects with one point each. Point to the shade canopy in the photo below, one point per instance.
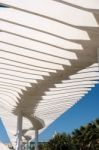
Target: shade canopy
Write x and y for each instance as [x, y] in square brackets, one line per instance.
[3, 147]
[48, 59]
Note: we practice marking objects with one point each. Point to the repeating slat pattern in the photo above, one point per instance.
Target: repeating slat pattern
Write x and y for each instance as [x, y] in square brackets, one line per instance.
[48, 58]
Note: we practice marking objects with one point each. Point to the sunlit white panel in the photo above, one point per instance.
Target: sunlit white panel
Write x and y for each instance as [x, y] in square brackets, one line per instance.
[50, 105]
[46, 102]
[75, 86]
[8, 67]
[45, 118]
[11, 99]
[5, 105]
[11, 116]
[90, 4]
[92, 78]
[4, 99]
[8, 94]
[79, 80]
[37, 46]
[62, 13]
[25, 66]
[66, 94]
[15, 78]
[3, 146]
[39, 36]
[94, 65]
[9, 119]
[20, 74]
[57, 113]
[55, 109]
[8, 122]
[6, 113]
[40, 110]
[66, 91]
[55, 104]
[8, 87]
[15, 82]
[9, 91]
[84, 75]
[9, 108]
[33, 54]
[15, 86]
[29, 61]
[26, 123]
[76, 83]
[90, 69]
[43, 24]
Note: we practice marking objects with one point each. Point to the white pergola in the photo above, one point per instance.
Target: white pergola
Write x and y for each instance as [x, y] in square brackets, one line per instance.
[3, 147]
[49, 60]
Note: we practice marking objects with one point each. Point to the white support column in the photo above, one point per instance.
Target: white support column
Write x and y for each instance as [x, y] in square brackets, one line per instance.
[36, 139]
[19, 132]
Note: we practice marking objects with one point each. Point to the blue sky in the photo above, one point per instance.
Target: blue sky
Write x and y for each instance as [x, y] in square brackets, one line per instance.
[86, 110]
[3, 133]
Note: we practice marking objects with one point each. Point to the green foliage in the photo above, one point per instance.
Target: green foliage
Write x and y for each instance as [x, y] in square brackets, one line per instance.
[85, 138]
[60, 142]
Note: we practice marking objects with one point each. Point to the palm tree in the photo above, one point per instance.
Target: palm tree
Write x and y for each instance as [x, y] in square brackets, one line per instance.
[61, 142]
[84, 138]
[87, 137]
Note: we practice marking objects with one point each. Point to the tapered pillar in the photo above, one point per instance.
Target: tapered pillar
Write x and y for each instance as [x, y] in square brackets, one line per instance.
[36, 139]
[19, 132]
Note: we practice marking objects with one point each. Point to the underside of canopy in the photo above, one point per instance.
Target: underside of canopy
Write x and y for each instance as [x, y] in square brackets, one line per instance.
[49, 59]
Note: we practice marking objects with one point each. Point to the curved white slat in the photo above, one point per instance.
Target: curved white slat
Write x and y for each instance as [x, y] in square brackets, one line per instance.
[14, 82]
[29, 61]
[39, 36]
[48, 61]
[63, 13]
[93, 4]
[24, 66]
[75, 86]
[33, 54]
[42, 24]
[9, 67]
[37, 46]
[13, 89]
[85, 75]
[66, 91]
[76, 83]
[9, 91]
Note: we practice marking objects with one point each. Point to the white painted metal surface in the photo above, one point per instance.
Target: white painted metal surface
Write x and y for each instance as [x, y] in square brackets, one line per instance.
[48, 59]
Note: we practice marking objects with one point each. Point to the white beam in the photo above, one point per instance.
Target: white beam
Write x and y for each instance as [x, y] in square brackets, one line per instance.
[36, 139]
[19, 132]
[63, 13]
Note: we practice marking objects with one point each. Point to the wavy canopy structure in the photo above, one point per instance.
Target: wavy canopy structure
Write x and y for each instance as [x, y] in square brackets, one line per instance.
[49, 59]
